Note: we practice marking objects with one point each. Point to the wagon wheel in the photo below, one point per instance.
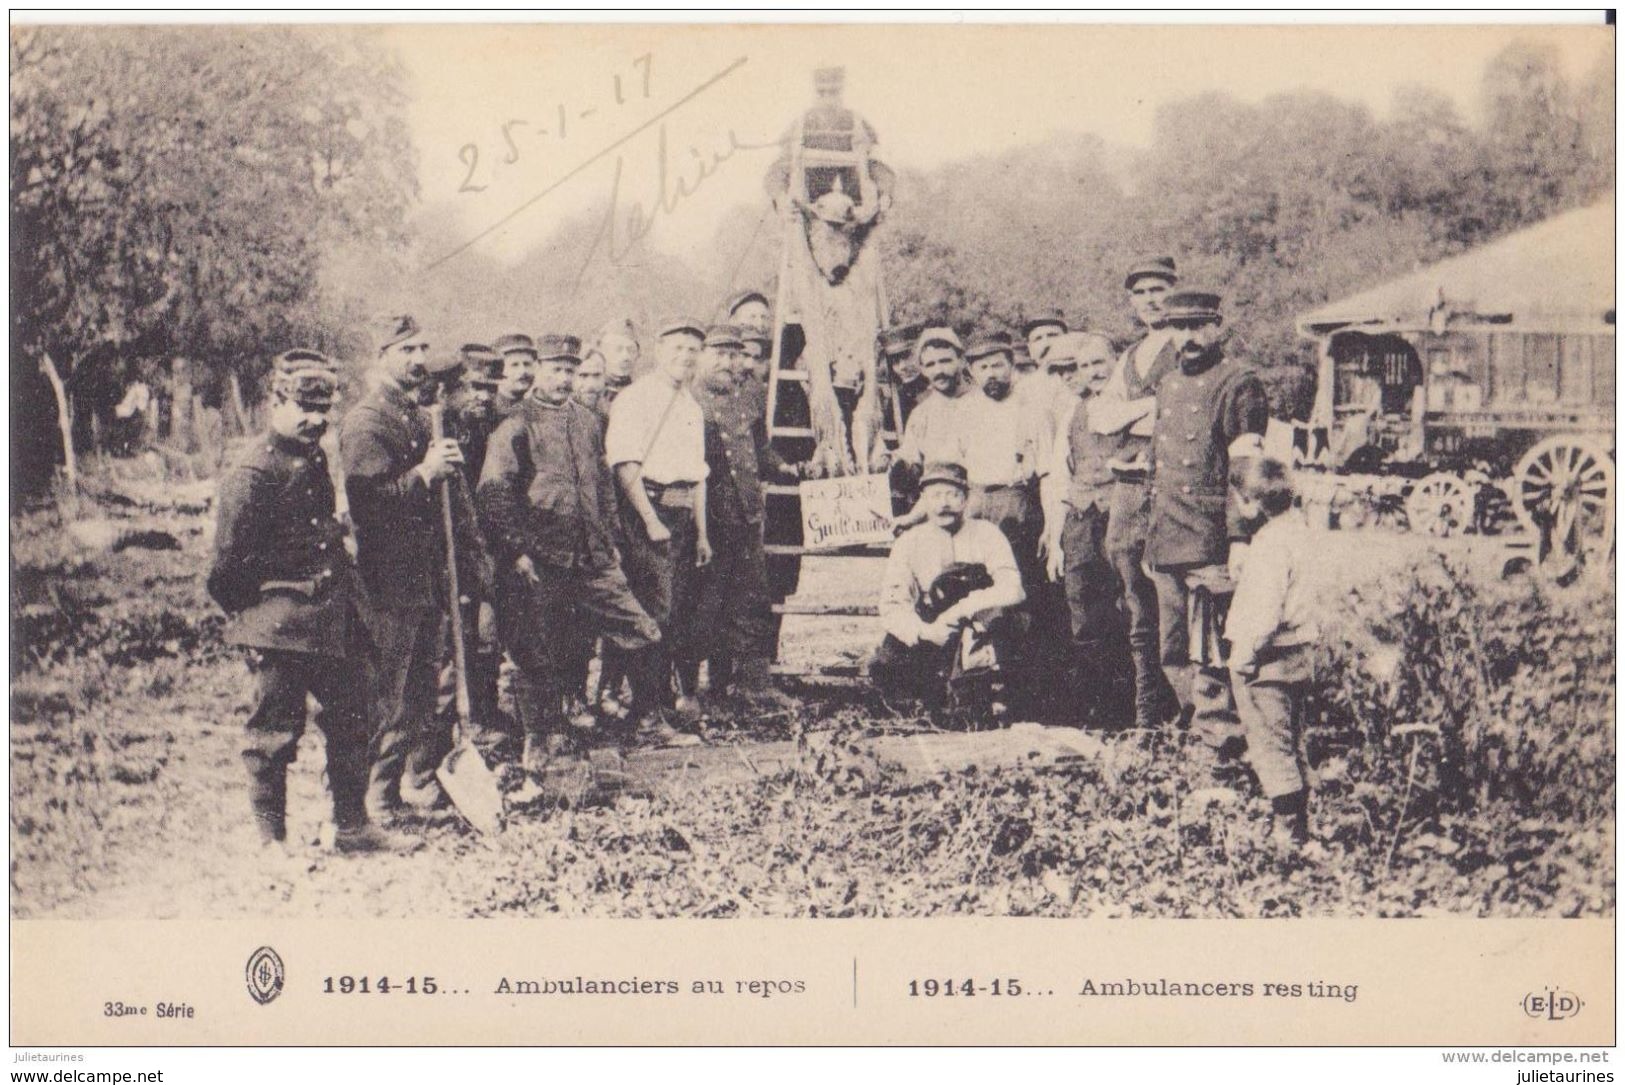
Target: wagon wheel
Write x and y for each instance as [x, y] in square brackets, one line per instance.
[1563, 492]
[1440, 504]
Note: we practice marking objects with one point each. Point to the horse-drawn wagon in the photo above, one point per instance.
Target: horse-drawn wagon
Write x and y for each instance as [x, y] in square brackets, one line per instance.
[1479, 391]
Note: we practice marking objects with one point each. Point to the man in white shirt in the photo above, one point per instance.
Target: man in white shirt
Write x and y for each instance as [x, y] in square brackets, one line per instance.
[655, 443]
[929, 433]
[946, 579]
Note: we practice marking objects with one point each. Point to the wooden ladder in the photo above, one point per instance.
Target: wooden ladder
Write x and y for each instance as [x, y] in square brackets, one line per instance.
[819, 593]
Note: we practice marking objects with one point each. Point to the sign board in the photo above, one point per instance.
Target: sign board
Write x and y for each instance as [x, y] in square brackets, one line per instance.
[850, 511]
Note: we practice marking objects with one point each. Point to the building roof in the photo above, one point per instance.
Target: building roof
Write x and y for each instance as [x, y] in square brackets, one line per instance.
[1558, 272]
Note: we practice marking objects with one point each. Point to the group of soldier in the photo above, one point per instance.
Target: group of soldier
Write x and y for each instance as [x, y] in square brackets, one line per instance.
[1063, 513]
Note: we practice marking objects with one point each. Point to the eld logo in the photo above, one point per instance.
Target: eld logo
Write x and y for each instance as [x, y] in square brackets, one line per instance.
[1553, 1005]
[265, 975]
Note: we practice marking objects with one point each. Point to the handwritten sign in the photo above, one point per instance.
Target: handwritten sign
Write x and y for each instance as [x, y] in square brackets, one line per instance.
[852, 511]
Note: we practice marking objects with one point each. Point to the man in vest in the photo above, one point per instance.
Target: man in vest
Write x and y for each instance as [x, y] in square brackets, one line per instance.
[1126, 409]
[1077, 490]
[1210, 410]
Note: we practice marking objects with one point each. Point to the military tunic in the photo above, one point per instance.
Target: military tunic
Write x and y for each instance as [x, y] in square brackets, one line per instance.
[547, 494]
[1203, 411]
[281, 572]
[1200, 414]
[734, 616]
[401, 557]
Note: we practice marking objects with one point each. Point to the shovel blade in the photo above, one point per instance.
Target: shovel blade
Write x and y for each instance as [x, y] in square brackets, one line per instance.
[472, 787]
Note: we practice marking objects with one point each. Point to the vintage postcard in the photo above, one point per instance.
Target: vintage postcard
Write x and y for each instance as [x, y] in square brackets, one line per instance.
[724, 533]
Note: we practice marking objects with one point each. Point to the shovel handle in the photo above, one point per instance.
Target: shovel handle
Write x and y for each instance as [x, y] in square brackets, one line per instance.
[458, 648]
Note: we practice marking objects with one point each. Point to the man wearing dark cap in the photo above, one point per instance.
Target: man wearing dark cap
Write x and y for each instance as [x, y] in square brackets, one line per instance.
[749, 309]
[932, 432]
[1210, 410]
[470, 417]
[392, 471]
[656, 445]
[950, 582]
[281, 572]
[734, 617]
[1125, 410]
[518, 354]
[548, 503]
[617, 342]
[900, 379]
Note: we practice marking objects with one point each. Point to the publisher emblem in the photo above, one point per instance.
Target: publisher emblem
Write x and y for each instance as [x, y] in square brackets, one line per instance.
[265, 975]
[1552, 1004]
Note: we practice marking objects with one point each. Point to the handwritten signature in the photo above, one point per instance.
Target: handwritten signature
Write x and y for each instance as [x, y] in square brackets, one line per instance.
[670, 192]
[598, 156]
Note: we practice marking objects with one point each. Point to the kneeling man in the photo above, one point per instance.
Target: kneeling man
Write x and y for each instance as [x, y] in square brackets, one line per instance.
[949, 583]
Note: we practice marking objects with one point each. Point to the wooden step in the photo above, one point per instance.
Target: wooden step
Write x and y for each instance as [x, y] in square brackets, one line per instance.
[834, 610]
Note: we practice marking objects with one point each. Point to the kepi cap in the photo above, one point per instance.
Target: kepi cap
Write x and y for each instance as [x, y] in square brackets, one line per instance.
[724, 335]
[942, 334]
[559, 348]
[395, 329]
[1043, 317]
[1190, 304]
[945, 471]
[1152, 267]
[308, 377]
[898, 339]
[515, 343]
[989, 343]
[682, 325]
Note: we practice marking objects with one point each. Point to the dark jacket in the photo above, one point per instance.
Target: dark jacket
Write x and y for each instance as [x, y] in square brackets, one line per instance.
[396, 514]
[1200, 412]
[546, 490]
[280, 568]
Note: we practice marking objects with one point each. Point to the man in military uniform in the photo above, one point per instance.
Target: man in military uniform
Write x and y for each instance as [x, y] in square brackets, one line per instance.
[470, 417]
[392, 470]
[589, 384]
[1125, 409]
[548, 503]
[900, 376]
[281, 571]
[617, 341]
[734, 614]
[656, 445]
[1210, 410]
[518, 353]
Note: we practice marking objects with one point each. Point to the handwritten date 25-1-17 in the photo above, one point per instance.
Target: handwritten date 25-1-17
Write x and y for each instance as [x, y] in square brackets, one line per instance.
[962, 988]
[379, 985]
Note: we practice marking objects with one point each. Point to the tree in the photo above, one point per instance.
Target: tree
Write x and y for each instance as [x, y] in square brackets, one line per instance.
[177, 191]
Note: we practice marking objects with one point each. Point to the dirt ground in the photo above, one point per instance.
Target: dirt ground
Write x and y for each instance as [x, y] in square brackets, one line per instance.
[128, 798]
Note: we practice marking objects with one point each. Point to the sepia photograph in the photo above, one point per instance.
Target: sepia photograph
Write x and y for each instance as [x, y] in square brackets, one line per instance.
[723, 471]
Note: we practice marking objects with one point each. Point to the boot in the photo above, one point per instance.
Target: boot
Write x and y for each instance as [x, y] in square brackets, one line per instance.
[1155, 703]
[366, 838]
[1289, 821]
[688, 685]
[753, 682]
[268, 802]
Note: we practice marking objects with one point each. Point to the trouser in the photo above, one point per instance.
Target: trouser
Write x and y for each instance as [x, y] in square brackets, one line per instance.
[927, 672]
[664, 579]
[284, 680]
[1017, 513]
[572, 606]
[1125, 550]
[1271, 713]
[408, 740]
[489, 730]
[1203, 688]
[1100, 671]
[734, 611]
